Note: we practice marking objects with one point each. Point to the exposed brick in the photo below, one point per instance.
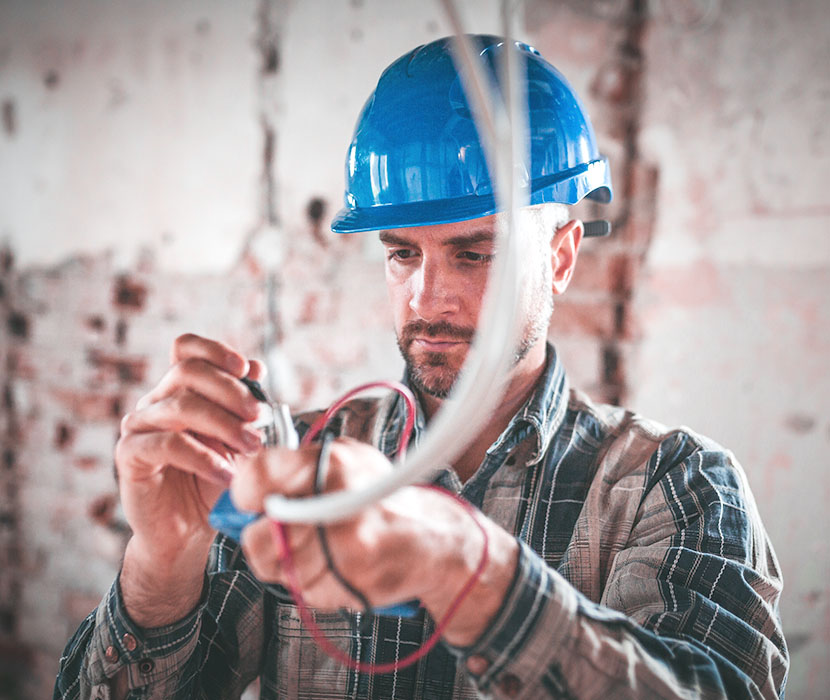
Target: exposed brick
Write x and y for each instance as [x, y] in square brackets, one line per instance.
[78, 604]
[96, 323]
[8, 108]
[12, 653]
[121, 332]
[129, 293]
[88, 405]
[6, 260]
[130, 370]
[589, 318]
[598, 271]
[64, 436]
[102, 509]
[18, 325]
[643, 181]
[86, 462]
[310, 310]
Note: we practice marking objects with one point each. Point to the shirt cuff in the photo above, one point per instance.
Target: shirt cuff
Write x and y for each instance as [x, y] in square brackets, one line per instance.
[527, 634]
[149, 655]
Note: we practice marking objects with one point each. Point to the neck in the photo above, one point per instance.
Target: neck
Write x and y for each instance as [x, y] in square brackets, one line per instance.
[521, 382]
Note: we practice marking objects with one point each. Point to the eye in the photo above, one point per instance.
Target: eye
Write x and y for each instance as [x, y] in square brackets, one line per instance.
[471, 256]
[400, 254]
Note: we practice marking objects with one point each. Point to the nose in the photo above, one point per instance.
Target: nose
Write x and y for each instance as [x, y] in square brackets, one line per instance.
[433, 294]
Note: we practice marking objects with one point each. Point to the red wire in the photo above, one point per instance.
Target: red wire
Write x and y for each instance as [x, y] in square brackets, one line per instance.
[335, 652]
[401, 389]
[281, 534]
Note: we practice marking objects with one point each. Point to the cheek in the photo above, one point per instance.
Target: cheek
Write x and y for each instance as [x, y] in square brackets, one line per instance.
[537, 292]
[472, 296]
[398, 293]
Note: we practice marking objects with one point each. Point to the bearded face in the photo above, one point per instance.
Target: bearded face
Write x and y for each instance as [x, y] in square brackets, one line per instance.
[437, 277]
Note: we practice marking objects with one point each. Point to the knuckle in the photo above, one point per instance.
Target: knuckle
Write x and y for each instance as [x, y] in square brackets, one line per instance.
[182, 400]
[125, 427]
[171, 441]
[183, 340]
[188, 366]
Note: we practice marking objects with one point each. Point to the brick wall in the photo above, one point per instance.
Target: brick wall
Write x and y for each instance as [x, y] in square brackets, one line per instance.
[171, 169]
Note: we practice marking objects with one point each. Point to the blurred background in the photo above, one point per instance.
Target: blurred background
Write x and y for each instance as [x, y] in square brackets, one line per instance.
[169, 167]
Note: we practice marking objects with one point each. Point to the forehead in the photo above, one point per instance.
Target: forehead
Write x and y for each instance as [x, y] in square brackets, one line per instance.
[481, 230]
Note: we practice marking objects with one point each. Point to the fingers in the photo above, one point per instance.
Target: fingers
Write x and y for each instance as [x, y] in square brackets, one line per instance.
[256, 370]
[311, 573]
[351, 464]
[186, 410]
[206, 379]
[265, 553]
[141, 456]
[216, 353]
[275, 470]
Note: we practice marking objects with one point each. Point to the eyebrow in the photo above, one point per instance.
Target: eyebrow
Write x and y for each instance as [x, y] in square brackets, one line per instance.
[389, 238]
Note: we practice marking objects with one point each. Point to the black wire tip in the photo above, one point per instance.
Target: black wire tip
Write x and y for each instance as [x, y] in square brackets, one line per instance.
[255, 388]
[597, 229]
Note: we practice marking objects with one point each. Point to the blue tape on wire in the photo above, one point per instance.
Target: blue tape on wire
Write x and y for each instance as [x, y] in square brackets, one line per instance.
[230, 521]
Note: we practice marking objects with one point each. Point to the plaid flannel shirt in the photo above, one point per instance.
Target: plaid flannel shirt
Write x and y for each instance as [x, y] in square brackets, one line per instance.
[644, 572]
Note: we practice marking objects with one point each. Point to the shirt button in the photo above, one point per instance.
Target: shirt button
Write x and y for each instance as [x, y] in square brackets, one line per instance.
[146, 666]
[477, 664]
[111, 654]
[510, 685]
[129, 642]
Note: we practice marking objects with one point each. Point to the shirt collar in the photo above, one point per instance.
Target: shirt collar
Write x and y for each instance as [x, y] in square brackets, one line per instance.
[541, 415]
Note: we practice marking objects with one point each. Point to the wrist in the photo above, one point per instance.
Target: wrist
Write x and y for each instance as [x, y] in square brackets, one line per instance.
[487, 594]
[160, 588]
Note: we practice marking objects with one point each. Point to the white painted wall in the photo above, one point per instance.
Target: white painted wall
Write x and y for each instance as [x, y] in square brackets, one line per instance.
[151, 140]
[733, 301]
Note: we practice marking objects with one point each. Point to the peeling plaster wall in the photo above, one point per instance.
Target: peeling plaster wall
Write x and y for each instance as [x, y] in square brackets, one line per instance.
[732, 303]
[128, 125]
[160, 163]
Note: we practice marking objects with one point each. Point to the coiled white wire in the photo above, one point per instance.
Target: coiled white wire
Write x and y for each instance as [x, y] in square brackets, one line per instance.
[502, 130]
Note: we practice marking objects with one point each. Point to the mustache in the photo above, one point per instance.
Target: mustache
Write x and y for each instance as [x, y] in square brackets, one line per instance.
[436, 329]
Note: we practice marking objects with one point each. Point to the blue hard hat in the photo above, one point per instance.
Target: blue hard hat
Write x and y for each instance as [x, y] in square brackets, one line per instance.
[416, 158]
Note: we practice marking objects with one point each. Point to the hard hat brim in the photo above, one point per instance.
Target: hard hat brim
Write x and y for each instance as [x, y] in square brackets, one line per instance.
[592, 180]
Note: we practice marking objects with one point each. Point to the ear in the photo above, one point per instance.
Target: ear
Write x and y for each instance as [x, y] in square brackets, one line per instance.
[564, 247]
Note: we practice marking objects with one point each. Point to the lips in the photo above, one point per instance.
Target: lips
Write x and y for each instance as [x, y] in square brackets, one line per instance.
[437, 344]
[440, 336]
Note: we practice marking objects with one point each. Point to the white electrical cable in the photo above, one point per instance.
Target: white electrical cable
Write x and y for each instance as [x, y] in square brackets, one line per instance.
[481, 383]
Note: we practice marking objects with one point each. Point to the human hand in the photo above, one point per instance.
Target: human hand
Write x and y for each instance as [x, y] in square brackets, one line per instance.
[174, 455]
[413, 544]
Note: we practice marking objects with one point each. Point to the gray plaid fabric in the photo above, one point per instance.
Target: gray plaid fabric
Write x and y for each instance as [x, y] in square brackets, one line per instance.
[644, 572]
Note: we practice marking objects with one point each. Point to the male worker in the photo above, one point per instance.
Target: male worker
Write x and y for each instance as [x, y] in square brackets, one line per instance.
[623, 559]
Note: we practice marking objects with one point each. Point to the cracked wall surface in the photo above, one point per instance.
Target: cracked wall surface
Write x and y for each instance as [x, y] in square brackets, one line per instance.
[173, 168]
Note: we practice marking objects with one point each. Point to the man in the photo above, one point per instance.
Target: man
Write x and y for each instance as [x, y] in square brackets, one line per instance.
[623, 559]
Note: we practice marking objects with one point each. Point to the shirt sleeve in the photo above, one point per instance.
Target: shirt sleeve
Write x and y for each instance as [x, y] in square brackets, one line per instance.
[689, 609]
[213, 652]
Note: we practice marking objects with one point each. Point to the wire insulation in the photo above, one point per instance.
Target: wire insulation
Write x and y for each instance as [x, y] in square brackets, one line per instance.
[481, 382]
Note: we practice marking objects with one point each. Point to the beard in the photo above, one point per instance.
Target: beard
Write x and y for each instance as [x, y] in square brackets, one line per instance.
[435, 373]
[432, 373]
